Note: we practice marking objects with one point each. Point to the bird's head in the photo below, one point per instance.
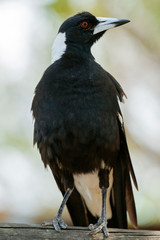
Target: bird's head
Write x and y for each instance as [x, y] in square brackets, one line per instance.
[82, 30]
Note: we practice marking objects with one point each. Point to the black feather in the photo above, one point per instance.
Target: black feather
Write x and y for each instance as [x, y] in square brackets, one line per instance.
[76, 111]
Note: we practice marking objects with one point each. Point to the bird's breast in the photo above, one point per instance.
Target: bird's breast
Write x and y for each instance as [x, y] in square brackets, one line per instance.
[83, 117]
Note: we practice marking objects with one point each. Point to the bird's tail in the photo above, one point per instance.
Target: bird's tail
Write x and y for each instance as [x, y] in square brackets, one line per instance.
[122, 199]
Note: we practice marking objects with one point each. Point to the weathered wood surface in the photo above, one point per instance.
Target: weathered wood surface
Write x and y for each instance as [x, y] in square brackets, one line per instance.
[10, 231]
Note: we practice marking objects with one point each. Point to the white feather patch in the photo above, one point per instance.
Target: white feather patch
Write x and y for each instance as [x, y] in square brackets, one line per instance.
[58, 47]
[120, 117]
[88, 187]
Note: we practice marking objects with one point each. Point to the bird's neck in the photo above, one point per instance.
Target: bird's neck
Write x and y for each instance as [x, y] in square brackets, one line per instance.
[63, 48]
[78, 51]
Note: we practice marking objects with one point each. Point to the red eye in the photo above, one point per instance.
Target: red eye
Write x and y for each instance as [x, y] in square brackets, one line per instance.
[84, 24]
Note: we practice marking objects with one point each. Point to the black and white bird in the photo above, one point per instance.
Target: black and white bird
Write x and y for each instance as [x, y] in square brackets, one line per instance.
[79, 129]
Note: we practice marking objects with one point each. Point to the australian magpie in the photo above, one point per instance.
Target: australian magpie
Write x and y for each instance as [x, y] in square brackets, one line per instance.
[79, 129]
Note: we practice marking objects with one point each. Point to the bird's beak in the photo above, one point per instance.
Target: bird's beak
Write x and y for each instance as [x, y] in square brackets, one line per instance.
[107, 23]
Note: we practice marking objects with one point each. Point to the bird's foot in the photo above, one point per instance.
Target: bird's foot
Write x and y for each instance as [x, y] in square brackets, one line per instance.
[100, 225]
[58, 224]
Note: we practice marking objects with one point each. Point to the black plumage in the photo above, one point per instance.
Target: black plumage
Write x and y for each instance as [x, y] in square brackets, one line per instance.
[79, 125]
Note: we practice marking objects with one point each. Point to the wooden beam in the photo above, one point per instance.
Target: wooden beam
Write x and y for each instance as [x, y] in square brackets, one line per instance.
[13, 231]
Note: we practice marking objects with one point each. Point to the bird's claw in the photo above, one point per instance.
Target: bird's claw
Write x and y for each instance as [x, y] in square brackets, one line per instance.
[59, 224]
[100, 225]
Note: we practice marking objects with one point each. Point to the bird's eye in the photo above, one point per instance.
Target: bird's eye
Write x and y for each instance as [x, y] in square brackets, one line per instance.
[84, 24]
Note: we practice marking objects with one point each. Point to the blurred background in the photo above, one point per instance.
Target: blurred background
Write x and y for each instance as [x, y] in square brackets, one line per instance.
[131, 53]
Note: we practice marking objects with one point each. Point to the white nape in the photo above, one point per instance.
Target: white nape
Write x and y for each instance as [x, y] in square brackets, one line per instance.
[58, 47]
[88, 187]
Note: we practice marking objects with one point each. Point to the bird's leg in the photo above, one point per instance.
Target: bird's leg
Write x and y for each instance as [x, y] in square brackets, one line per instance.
[102, 221]
[58, 222]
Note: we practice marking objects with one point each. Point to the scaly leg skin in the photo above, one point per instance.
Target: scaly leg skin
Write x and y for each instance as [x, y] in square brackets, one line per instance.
[58, 222]
[102, 221]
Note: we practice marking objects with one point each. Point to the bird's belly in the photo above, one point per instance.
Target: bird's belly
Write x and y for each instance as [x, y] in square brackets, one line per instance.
[88, 187]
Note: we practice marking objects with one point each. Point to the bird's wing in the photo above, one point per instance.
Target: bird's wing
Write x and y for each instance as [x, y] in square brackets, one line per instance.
[120, 95]
[120, 92]
[122, 198]
[124, 154]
